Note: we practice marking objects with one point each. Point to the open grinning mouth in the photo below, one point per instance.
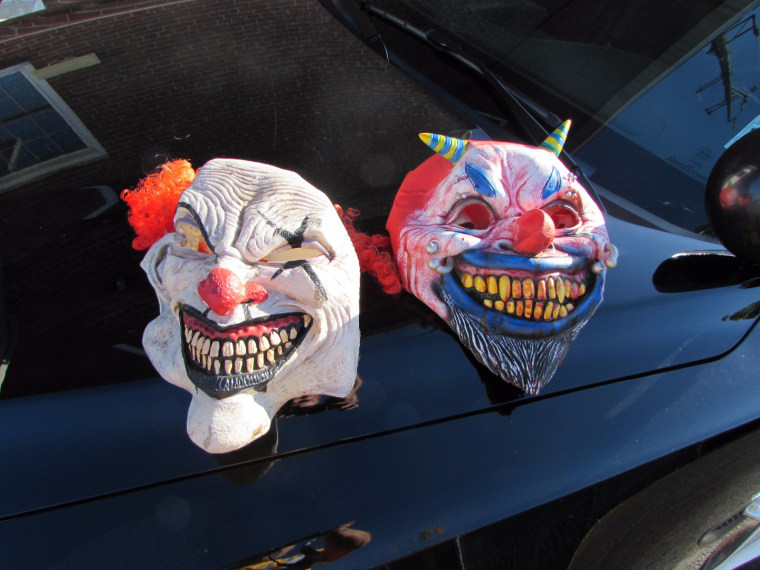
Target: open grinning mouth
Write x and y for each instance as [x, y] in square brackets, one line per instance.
[547, 298]
[524, 297]
[222, 361]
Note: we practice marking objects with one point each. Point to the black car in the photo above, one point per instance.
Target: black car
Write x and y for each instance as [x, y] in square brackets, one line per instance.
[641, 452]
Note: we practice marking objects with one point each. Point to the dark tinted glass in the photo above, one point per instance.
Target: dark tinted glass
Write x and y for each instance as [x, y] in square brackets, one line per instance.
[659, 150]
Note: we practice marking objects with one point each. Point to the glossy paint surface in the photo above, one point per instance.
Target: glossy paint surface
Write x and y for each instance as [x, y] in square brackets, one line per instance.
[411, 375]
[504, 460]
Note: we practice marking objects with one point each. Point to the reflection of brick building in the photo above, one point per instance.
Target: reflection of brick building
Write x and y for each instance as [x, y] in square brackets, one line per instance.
[278, 82]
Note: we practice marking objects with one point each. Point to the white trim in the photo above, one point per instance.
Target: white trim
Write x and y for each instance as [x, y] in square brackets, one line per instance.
[66, 66]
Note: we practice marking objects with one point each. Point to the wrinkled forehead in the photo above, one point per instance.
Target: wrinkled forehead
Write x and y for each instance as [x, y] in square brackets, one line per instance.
[228, 196]
[510, 169]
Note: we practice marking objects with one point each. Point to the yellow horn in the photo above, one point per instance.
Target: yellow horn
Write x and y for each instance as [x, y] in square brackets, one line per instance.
[448, 147]
[555, 141]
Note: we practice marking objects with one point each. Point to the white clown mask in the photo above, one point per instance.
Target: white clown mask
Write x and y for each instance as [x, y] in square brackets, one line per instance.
[258, 288]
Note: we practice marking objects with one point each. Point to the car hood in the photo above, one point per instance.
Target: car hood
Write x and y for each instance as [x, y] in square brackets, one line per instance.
[324, 105]
[87, 443]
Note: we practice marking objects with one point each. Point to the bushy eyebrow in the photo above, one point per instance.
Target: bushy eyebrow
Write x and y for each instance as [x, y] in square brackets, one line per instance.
[199, 223]
[294, 238]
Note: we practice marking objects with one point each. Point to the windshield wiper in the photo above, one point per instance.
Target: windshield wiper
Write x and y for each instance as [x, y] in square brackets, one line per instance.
[521, 110]
[441, 42]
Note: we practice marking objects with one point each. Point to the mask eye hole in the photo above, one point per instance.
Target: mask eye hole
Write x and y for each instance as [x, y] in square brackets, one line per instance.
[309, 249]
[192, 237]
[472, 215]
[292, 254]
[565, 217]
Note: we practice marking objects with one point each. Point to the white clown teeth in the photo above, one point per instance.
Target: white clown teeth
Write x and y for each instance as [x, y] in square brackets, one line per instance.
[242, 355]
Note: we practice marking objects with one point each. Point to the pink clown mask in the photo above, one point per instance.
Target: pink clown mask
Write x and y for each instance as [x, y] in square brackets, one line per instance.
[505, 245]
[258, 289]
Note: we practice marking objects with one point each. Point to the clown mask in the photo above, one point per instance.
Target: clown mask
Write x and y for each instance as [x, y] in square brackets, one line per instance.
[505, 245]
[258, 287]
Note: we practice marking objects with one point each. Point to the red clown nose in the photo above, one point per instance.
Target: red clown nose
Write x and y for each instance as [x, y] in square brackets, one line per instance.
[535, 232]
[222, 291]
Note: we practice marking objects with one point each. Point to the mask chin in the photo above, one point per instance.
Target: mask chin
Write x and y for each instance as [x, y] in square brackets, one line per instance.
[221, 426]
[526, 363]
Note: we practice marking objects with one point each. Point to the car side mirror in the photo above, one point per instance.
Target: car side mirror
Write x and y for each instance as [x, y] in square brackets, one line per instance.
[732, 198]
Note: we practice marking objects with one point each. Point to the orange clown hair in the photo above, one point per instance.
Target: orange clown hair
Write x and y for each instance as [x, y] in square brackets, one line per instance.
[153, 202]
[373, 251]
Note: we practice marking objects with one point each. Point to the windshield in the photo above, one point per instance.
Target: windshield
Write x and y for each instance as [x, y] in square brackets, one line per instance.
[656, 90]
[658, 150]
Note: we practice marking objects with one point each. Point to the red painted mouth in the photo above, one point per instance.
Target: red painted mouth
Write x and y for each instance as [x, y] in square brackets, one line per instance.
[242, 331]
[222, 361]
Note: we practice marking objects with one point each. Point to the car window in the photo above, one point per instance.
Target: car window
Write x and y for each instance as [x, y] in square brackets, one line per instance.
[659, 149]
[655, 90]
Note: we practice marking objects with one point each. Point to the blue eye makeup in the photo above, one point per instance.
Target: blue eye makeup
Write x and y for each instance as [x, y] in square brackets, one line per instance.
[479, 181]
[552, 185]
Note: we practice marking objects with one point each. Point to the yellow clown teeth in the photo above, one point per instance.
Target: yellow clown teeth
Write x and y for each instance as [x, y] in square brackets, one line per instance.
[544, 299]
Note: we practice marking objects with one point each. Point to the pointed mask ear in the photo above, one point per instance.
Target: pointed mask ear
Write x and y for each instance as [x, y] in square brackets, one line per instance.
[555, 141]
[153, 265]
[448, 147]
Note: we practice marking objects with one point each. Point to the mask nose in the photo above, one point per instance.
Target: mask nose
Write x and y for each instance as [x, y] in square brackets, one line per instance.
[534, 232]
[223, 290]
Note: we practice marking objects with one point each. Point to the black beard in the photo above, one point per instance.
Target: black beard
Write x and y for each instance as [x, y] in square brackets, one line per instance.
[528, 364]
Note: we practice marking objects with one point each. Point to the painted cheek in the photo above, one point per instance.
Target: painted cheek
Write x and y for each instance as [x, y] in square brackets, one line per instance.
[578, 245]
[178, 274]
[434, 241]
[592, 217]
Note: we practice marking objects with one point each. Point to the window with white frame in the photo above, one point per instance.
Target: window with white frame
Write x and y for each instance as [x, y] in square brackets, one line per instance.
[39, 133]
